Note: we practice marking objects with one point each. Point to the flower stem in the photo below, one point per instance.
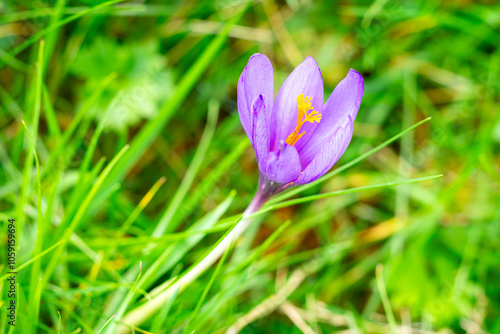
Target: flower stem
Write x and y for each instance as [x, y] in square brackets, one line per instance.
[143, 312]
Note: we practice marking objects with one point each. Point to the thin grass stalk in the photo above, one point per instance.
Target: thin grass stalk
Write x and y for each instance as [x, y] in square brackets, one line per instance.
[142, 313]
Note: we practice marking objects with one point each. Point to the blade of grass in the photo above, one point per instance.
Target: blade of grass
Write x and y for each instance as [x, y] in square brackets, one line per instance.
[51, 37]
[14, 62]
[363, 156]
[128, 299]
[107, 322]
[402, 198]
[84, 327]
[142, 204]
[201, 300]
[208, 182]
[35, 304]
[27, 263]
[122, 9]
[284, 204]
[261, 248]
[85, 178]
[35, 269]
[80, 214]
[187, 181]
[87, 158]
[137, 315]
[171, 255]
[133, 216]
[10, 105]
[143, 240]
[153, 128]
[50, 116]
[34, 292]
[16, 50]
[385, 298]
[35, 119]
[161, 318]
[59, 323]
[74, 202]
[64, 142]
[9, 168]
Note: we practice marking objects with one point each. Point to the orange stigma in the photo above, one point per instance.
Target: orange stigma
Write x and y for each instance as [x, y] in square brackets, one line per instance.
[304, 105]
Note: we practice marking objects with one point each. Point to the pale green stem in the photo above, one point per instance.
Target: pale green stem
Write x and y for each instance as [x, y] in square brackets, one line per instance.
[143, 312]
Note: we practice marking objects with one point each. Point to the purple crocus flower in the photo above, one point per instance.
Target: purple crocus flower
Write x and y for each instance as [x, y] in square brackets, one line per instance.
[296, 138]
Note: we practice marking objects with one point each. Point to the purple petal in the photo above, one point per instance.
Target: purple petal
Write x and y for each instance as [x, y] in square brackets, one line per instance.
[283, 166]
[342, 104]
[260, 132]
[305, 79]
[256, 79]
[329, 153]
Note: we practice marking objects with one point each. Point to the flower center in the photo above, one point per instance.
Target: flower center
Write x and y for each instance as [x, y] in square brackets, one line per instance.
[304, 105]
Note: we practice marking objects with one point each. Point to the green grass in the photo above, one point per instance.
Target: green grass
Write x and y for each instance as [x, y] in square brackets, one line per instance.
[124, 164]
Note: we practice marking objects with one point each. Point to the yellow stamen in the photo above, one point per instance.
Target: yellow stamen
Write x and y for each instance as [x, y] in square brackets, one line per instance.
[304, 105]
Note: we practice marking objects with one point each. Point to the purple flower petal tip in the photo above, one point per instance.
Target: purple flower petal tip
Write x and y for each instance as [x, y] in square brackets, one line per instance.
[296, 138]
[359, 78]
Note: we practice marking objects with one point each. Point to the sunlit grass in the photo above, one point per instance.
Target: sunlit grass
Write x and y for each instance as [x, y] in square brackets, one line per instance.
[401, 236]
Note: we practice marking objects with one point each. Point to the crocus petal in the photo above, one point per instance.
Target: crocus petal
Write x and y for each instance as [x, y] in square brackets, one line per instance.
[283, 166]
[305, 79]
[329, 153]
[260, 132]
[342, 104]
[256, 79]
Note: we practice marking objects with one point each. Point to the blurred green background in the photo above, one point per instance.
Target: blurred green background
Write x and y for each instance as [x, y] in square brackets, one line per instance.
[88, 78]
